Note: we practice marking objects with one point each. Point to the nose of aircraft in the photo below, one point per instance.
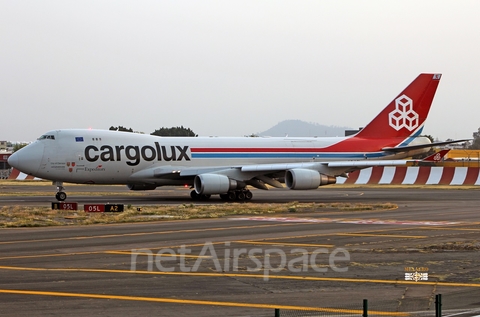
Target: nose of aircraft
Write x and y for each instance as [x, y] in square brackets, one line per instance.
[27, 159]
[13, 160]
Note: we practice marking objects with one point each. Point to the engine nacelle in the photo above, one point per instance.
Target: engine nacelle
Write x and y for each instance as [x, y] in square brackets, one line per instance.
[207, 184]
[141, 186]
[306, 179]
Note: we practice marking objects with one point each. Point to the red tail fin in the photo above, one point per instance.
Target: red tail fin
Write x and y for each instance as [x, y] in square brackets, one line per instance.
[436, 157]
[406, 114]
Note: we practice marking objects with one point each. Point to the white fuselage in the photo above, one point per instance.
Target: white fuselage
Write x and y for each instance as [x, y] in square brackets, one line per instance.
[111, 157]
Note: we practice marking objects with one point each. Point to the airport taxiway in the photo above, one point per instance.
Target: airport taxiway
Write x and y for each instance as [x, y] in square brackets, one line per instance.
[112, 270]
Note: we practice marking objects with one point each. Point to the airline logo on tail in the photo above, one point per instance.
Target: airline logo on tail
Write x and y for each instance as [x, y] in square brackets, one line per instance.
[403, 116]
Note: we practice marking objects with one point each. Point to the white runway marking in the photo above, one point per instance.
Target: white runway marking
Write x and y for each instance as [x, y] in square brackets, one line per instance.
[352, 221]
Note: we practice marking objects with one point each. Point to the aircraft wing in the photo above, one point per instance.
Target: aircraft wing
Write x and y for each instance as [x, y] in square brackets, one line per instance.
[175, 172]
[351, 165]
[263, 172]
[366, 163]
[328, 168]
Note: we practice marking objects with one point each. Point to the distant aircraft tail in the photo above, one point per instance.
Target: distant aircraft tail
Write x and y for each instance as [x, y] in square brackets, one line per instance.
[436, 157]
[405, 116]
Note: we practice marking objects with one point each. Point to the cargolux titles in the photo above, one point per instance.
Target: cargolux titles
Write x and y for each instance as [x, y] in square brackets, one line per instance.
[135, 153]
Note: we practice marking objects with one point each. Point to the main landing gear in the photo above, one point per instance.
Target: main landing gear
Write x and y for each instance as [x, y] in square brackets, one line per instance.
[233, 195]
[60, 195]
[240, 195]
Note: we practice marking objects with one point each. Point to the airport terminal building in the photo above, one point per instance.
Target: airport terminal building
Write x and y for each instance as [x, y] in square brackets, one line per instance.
[5, 169]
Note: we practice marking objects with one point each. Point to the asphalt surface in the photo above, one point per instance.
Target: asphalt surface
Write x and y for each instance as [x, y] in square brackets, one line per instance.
[244, 265]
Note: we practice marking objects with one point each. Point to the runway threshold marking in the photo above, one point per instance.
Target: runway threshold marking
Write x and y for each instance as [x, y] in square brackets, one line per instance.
[239, 275]
[285, 244]
[196, 302]
[146, 233]
[380, 235]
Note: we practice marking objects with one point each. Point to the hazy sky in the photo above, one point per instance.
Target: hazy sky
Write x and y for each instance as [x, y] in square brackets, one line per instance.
[231, 68]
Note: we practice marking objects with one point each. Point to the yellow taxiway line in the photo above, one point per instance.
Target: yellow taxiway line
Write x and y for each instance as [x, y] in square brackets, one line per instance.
[98, 252]
[380, 235]
[285, 244]
[196, 302]
[163, 254]
[240, 275]
[48, 255]
[151, 233]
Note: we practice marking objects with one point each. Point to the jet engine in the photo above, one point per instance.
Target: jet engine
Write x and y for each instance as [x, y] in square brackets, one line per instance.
[306, 179]
[207, 184]
[141, 186]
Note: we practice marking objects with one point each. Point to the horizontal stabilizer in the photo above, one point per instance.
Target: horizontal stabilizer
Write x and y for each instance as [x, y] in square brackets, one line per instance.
[420, 146]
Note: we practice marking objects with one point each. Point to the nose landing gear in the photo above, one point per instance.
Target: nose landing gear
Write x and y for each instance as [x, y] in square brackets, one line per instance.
[60, 195]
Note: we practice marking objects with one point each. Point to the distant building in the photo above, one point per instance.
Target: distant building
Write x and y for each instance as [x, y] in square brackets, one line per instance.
[3, 146]
[456, 146]
[5, 169]
[352, 132]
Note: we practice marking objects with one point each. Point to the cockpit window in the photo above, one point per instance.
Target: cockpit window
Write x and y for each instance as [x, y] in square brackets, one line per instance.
[47, 136]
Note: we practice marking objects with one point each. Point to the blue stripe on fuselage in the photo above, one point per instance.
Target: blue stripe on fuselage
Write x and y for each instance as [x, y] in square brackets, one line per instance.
[411, 138]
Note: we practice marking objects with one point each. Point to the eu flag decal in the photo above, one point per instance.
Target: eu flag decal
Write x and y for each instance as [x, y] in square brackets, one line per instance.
[79, 139]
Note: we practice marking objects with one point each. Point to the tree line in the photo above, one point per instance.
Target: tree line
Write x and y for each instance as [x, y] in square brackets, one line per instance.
[173, 131]
[476, 141]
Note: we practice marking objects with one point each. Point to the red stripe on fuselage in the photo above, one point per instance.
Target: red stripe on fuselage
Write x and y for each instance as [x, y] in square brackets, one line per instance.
[363, 145]
[246, 150]
[346, 145]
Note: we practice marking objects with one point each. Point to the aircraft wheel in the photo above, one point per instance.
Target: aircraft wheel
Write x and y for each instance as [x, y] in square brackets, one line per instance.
[248, 195]
[224, 197]
[240, 195]
[61, 196]
[232, 196]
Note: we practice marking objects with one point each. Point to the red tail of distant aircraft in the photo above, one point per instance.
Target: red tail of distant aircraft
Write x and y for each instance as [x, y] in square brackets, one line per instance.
[436, 157]
[226, 166]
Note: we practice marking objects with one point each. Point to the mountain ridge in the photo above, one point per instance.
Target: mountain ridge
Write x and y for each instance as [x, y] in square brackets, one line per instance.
[299, 128]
